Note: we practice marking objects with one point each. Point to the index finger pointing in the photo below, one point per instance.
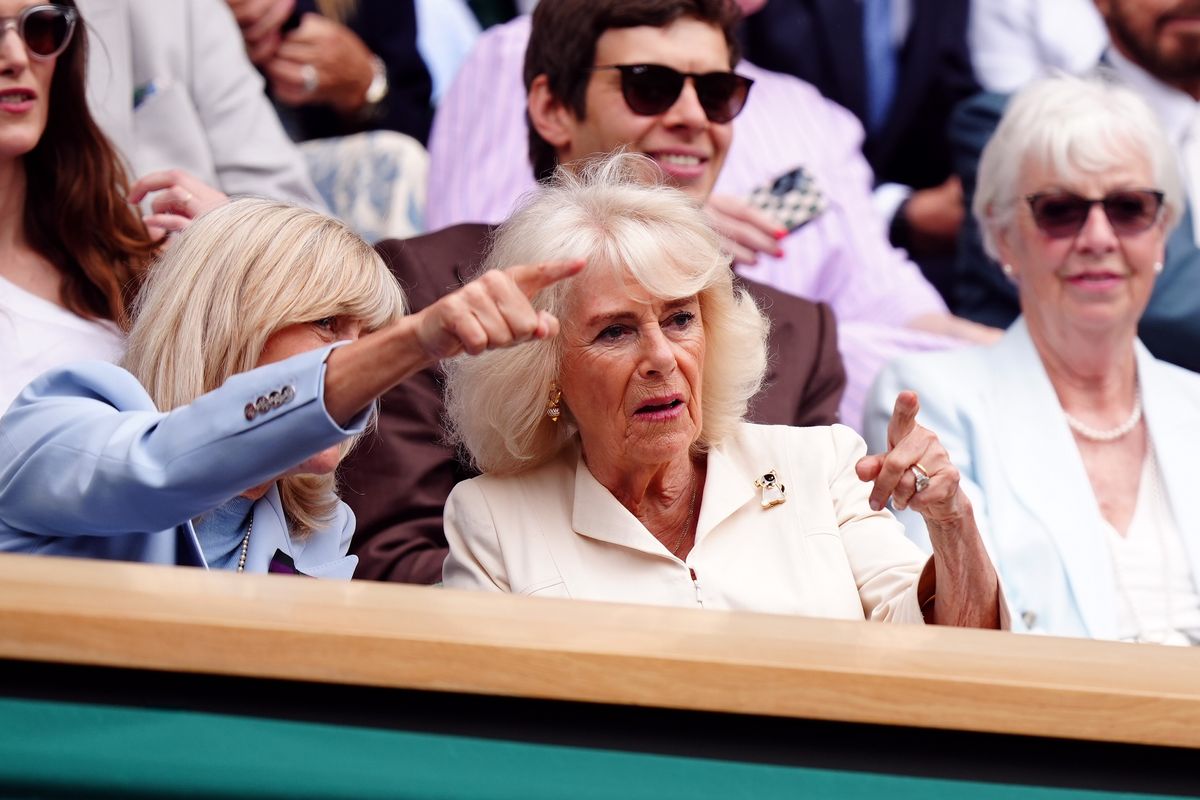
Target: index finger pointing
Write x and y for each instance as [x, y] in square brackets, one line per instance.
[532, 278]
[904, 417]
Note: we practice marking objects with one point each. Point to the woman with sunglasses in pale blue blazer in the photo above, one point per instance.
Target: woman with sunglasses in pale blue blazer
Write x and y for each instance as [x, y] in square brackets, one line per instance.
[259, 344]
[1076, 445]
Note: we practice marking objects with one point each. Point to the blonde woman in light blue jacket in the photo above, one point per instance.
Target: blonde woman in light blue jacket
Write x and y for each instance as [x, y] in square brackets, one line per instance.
[260, 343]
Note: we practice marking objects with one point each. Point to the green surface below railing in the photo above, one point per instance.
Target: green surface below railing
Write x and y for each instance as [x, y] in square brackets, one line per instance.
[56, 749]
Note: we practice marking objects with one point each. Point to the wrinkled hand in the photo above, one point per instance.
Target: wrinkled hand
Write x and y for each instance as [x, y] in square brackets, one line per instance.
[934, 216]
[261, 22]
[342, 62]
[492, 311]
[746, 230]
[909, 443]
[179, 198]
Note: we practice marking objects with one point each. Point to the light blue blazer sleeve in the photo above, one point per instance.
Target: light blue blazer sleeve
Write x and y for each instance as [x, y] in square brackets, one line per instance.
[83, 451]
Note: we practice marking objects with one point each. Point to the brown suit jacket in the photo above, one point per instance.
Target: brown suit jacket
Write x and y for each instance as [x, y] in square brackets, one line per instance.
[397, 482]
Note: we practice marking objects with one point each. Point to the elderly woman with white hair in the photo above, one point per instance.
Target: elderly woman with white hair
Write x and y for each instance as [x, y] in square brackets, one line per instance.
[1075, 444]
[260, 342]
[616, 462]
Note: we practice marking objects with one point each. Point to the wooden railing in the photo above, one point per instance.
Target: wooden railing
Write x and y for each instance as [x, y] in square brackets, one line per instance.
[164, 618]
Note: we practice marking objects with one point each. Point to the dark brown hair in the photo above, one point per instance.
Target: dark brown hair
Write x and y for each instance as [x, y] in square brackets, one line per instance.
[76, 213]
[562, 46]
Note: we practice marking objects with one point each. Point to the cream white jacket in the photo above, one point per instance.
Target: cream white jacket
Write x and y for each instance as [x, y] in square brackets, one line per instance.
[555, 531]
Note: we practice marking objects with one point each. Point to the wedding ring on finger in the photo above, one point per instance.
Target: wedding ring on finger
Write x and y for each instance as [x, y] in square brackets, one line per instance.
[921, 476]
[308, 74]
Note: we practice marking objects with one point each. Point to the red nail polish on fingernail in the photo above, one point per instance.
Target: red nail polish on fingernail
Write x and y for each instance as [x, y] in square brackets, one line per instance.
[779, 252]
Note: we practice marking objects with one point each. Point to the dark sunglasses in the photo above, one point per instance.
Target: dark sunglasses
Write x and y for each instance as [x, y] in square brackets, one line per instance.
[1061, 214]
[650, 89]
[46, 30]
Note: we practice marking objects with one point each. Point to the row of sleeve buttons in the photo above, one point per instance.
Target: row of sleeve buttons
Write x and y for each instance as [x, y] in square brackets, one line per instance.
[270, 402]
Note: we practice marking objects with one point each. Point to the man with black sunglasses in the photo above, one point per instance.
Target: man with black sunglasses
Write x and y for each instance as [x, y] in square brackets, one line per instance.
[838, 254]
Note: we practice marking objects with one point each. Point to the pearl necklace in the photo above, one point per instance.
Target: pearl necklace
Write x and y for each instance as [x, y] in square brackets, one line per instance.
[1112, 434]
[687, 525]
[241, 567]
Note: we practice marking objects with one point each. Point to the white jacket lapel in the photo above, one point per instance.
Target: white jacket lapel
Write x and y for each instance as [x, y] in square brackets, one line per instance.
[727, 488]
[1041, 461]
[599, 515]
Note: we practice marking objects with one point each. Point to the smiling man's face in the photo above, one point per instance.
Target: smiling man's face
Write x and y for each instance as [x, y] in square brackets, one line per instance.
[682, 141]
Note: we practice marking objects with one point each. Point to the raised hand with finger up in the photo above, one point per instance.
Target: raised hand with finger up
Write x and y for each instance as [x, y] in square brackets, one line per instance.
[916, 472]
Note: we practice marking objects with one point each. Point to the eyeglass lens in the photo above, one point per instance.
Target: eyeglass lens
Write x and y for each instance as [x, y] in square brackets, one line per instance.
[651, 89]
[1063, 214]
[45, 29]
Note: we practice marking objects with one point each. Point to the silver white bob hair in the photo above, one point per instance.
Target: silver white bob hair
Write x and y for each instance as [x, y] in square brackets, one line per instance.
[1073, 126]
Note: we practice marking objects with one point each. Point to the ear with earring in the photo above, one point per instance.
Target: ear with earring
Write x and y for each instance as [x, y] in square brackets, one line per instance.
[1158, 267]
[553, 411]
[1007, 269]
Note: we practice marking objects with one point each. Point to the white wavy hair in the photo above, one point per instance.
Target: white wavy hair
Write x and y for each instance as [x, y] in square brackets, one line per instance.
[614, 214]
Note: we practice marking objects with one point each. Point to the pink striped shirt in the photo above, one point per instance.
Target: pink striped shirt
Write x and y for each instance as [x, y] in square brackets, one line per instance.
[479, 168]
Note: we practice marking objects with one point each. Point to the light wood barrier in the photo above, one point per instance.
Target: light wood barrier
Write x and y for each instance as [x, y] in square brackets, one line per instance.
[186, 620]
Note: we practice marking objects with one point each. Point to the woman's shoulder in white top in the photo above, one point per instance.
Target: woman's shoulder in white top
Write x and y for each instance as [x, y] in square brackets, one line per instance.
[37, 335]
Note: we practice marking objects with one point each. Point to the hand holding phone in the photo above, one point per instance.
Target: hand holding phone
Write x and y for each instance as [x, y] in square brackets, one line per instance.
[745, 231]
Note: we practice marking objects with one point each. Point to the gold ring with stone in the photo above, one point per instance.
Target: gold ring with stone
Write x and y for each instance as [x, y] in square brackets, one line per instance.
[921, 476]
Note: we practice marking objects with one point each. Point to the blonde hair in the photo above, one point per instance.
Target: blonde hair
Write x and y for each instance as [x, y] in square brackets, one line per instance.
[613, 214]
[1072, 126]
[236, 276]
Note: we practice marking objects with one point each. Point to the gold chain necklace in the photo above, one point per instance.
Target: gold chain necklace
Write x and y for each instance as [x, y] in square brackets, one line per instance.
[687, 525]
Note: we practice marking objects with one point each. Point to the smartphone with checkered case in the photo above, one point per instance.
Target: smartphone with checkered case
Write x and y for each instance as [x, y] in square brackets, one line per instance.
[793, 199]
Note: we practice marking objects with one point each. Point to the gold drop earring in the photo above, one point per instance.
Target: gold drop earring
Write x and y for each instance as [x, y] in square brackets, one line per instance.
[553, 411]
